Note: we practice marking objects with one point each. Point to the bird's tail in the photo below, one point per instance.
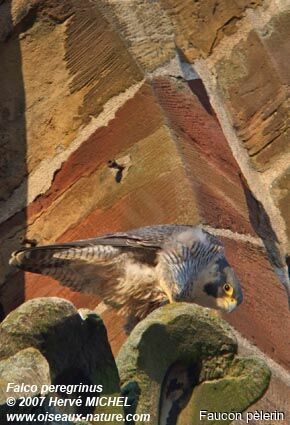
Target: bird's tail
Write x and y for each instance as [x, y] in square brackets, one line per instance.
[35, 259]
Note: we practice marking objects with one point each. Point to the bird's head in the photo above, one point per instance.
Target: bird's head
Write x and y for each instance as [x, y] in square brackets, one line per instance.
[219, 286]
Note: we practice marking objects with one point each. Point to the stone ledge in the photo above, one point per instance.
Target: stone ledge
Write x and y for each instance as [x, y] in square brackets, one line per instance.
[181, 355]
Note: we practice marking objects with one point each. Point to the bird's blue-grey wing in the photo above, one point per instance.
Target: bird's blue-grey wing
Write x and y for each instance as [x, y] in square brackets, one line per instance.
[149, 236]
[84, 267]
[76, 264]
[99, 265]
[118, 270]
[81, 267]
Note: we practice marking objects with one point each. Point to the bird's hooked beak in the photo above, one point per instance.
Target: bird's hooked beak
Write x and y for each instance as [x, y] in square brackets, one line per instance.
[227, 303]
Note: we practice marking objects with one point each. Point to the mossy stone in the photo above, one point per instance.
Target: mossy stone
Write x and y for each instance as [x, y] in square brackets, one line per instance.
[201, 350]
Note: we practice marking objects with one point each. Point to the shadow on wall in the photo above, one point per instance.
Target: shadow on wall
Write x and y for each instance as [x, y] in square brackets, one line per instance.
[258, 216]
[288, 263]
[195, 83]
[13, 168]
[262, 225]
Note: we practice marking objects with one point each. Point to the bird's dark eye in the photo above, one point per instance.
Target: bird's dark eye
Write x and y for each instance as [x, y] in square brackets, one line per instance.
[227, 288]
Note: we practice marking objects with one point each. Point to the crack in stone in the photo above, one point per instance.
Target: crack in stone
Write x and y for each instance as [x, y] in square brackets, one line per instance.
[221, 29]
[252, 154]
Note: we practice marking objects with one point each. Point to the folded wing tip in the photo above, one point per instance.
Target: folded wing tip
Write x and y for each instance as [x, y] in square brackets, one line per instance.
[16, 258]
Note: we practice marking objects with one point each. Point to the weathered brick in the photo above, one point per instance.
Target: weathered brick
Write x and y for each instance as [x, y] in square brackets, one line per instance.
[257, 100]
[281, 194]
[147, 30]
[259, 316]
[200, 25]
[211, 168]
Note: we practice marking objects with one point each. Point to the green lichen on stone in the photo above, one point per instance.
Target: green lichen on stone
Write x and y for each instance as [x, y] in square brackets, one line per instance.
[244, 383]
[22, 376]
[190, 336]
[76, 347]
[177, 331]
[31, 324]
[27, 367]
[180, 344]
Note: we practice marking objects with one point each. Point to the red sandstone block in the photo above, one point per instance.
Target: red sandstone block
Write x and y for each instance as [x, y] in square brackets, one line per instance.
[263, 317]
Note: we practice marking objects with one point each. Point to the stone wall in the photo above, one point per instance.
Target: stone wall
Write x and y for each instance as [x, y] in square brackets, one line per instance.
[50, 348]
[190, 97]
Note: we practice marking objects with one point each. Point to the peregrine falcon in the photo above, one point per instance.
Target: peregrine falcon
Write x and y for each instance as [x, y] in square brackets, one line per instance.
[139, 270]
